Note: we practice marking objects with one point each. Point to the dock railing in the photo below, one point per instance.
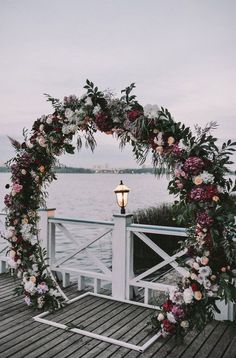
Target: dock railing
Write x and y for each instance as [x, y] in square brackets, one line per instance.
[124, 232]
[121, 275]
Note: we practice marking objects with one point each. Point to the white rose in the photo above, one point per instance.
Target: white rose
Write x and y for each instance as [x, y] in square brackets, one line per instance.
[207, 177]
[30, 286]
[41, 127]
[23, 172]
[188, 295]
[9, 233]
[171, 317]
[196, 266]
[160, 317]
[184, 324]
[69, 113]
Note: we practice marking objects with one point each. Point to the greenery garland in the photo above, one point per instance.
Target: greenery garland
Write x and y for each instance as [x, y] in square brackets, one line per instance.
[199, 180]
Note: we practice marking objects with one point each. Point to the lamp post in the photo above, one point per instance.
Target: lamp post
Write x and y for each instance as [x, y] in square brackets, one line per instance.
[121, 192]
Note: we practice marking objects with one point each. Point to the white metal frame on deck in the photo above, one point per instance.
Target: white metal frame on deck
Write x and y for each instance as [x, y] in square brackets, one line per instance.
[40, 318]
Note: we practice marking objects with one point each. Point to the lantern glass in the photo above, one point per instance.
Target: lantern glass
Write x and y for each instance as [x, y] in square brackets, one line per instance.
[121, 192]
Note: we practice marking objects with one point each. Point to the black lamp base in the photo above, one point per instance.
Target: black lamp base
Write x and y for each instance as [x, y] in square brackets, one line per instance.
[122, 210]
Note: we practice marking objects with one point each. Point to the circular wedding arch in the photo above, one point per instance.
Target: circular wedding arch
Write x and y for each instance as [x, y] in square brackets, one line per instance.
[199, 179]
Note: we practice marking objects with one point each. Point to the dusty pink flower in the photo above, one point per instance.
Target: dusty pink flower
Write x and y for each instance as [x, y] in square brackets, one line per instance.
[17, 187]
[178, 312]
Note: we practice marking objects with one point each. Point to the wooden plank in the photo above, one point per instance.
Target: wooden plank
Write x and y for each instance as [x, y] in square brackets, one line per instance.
[125, 333]
[77, 342]
[21, 337]
[200, 339]
[178, 349]
[230, 351]
[27, 326]
[59, 337]
[222, 345]
[42, 330]
[216, 335]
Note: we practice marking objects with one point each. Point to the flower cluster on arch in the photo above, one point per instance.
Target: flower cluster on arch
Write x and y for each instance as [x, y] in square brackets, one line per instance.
[200, 181]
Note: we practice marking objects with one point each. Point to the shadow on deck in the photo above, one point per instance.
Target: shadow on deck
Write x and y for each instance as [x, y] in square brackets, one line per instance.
[22, 337]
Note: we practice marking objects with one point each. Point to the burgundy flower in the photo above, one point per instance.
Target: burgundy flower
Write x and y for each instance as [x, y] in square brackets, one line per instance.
[204, 220]
[204, 192]
[192, 251]
[8, 200]
[168, 326]
[210, 191]
[103, 123]
[176, 150]
[193, 165]
[195, 287]
[134, 114]
[208, 242]
[167, 306]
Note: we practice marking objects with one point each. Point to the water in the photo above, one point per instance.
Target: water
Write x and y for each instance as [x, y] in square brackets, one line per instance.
[91, 196]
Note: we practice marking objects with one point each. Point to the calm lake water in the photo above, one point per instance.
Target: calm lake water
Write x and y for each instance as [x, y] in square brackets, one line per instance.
[91, 196]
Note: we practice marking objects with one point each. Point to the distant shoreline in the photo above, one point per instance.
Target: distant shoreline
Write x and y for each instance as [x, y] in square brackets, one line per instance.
[72, 170]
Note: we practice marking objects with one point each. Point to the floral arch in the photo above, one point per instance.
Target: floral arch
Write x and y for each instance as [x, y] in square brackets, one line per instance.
[199, 180]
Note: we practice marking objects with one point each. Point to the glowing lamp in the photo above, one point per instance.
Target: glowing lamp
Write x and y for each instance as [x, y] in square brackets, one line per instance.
[121, 192]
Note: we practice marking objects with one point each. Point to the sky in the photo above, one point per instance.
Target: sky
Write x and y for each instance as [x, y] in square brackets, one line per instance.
[180, 53]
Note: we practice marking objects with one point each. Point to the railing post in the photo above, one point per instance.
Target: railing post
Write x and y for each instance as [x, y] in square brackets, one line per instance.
[3, 266]
[43, 227]
[51, 243]
[120, 260]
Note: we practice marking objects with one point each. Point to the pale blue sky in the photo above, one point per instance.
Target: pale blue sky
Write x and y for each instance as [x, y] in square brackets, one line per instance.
[180, 53]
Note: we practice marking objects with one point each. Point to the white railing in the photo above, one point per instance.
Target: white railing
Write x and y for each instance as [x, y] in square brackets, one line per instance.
[100, 272]
[140, 231]
[123, 281]
[122, 277]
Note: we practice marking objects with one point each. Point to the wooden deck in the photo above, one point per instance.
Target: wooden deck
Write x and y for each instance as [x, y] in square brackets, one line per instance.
[22, 337]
